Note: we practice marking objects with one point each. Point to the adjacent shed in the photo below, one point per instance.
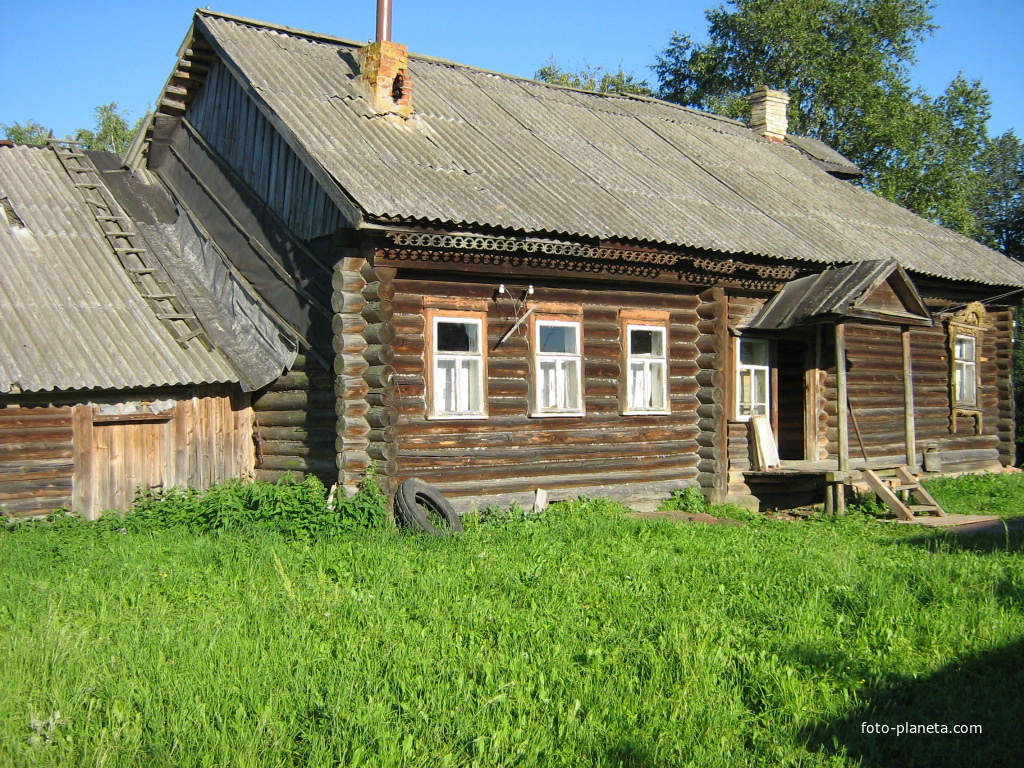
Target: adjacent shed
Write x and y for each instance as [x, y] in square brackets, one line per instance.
[117, 370]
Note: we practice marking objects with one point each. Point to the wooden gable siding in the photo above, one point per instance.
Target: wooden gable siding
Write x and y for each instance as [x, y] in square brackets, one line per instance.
[36, 464]
[59, 451]
[510, 452]
[233, 125]
[295, 424]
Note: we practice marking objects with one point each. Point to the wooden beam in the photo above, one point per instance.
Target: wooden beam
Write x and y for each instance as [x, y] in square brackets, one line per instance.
[908, 400]
[842, 398]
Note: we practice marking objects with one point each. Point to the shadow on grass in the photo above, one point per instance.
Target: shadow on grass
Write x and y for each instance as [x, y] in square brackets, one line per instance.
[994, 537]
[986, 691]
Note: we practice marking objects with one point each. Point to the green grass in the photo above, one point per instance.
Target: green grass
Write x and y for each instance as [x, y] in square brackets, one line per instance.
[579, 638]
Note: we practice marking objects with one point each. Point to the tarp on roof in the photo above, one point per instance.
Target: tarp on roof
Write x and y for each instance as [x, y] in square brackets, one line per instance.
[488, 150]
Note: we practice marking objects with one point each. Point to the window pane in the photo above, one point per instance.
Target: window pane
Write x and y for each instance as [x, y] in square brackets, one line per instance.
[964, 348]
[557, 339]
[646, 341]
[457, 337]
[657, 399]
[445, 382]
[469, 389]
[548, 384]
[570, 370]
[753, 352]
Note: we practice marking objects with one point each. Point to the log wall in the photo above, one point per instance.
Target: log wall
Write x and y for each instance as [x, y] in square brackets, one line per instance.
[511, 452]
[36, 446]
[295, 423]
[876, 395]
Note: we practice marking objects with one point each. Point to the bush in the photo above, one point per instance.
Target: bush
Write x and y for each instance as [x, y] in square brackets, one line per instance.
[296, 508]
[689, 500]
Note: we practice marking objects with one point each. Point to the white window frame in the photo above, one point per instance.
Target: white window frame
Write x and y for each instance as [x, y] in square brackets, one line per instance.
[962, 368]
[648, 363]
[560, 359]
[754, 370]
[435, 389]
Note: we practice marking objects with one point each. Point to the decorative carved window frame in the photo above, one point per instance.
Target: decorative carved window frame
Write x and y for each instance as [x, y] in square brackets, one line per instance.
[434, 311]
[971, 321]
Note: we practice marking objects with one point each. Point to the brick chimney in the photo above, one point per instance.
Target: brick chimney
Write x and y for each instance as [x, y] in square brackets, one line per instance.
[384, 69]
[768, 112]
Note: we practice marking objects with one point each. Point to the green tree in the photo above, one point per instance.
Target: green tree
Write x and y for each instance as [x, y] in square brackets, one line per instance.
[111, 133]
[592, 78]
[29, 132]
[1000, 202]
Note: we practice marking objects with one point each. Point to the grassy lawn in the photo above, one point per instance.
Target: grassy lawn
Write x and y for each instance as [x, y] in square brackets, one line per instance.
[580, 639]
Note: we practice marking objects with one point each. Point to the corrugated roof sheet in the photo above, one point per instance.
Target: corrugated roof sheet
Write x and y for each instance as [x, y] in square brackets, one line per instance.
[70, 318]
[490, 150]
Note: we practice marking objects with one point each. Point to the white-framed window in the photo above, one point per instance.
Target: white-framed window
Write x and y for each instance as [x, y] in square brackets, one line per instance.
[646, 366]
[557, 368]
[753, 377]
[965, 371]
[457, 366]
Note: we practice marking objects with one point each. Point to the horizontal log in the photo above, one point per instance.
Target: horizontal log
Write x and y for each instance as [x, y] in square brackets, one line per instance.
[382, 451]
[298, 464]
[296, 400]
[379, 354]
[381, 417]
[682, 436]
[378, 311]
[35, 435]
[379, 376]
[379, 333]
[383, 435]
[324, 432]
[323, 449]
[457, 485]
[349, 302]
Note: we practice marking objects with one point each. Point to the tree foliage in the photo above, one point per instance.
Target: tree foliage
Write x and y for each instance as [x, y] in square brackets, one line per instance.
[29, 132]
[111, 133]
[592, 78]
[999, 205]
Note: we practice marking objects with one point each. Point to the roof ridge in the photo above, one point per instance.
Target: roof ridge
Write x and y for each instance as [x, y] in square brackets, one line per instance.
[449, 62]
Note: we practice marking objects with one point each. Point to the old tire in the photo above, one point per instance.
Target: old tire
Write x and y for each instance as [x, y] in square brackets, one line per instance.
[420, 506]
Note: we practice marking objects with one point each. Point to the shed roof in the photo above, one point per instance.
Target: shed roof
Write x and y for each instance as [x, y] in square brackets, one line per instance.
[844, 292]
[70, 318]
[487, 150]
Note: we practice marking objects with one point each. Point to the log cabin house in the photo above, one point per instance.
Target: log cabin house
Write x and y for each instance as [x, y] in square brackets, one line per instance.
[499, 285]
[127, 349]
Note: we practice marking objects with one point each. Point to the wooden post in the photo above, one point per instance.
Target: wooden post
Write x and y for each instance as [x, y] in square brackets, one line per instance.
[908, 401]
[841, 415]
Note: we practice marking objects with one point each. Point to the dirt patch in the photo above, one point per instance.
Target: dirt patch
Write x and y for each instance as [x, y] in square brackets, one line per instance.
[685, 517]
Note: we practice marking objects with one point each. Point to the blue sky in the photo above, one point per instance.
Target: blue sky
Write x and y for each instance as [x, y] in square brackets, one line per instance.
[57, 64]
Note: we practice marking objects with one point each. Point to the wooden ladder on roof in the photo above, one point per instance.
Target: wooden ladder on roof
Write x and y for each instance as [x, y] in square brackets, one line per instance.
[901, 493]
[145, 271]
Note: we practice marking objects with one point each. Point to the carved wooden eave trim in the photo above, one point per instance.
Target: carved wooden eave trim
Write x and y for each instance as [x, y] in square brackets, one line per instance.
[470, 251]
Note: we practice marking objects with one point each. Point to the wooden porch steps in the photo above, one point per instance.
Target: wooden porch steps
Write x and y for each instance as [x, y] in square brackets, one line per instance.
[900, 493]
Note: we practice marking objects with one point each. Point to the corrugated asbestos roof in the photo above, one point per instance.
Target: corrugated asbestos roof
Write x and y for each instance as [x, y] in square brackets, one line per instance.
[490, 150]
[70, 318]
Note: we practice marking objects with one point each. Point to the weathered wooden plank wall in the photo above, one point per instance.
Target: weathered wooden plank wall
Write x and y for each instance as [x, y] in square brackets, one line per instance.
[205, 438]
[36, 464]
[233, 125]
[510, 452]
[295, 423]
[58, 451]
